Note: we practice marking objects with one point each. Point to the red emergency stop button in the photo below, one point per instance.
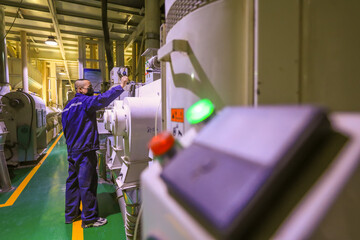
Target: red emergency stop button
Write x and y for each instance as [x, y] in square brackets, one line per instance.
[161, 143]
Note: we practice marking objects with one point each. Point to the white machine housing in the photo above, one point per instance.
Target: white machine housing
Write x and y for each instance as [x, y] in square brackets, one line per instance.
[116, 73]
[197, 64]
[25, 118]
[133, 122]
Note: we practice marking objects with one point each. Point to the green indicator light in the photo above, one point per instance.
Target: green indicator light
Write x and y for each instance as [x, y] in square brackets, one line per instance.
[200, 111]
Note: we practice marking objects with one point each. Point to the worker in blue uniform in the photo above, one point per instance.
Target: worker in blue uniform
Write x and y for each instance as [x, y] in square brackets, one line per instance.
[82, 140]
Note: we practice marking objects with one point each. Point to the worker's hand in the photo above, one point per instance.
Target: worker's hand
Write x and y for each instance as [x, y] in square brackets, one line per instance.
[124, 80]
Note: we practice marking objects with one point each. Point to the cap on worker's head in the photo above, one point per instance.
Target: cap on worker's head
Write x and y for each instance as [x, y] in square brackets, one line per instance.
[161, 143]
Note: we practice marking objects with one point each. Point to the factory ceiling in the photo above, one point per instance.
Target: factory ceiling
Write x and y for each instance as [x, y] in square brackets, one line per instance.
[70, 19]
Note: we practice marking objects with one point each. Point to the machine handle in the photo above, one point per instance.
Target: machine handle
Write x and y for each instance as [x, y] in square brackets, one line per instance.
[176, 45]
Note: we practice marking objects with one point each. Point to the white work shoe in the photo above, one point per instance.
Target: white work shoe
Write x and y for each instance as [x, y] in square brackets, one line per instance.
[98, 223]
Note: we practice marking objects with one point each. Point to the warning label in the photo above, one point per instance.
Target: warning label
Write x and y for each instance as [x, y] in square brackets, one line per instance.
[177, 115]
[177, 129]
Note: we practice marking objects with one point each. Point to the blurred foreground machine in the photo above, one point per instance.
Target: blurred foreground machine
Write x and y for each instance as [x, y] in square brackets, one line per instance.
[132, 121]
[25, 118]
[282, 172]
[300, 178]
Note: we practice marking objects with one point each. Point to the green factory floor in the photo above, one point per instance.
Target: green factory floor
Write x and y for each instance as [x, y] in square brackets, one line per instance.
[38, 211]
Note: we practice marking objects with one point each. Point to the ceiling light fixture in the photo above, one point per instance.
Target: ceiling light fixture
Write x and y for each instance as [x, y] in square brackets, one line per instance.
[62, 72]
[51, 41]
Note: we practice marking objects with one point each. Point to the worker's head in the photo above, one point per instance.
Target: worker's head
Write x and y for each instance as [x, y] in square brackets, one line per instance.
[84, 86]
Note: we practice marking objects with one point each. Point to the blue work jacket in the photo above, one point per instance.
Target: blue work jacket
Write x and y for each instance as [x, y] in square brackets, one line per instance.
[79, 120]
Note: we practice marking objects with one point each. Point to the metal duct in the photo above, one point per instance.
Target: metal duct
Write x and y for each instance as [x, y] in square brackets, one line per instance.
[121, 201]
[129, 202]
[152, 24]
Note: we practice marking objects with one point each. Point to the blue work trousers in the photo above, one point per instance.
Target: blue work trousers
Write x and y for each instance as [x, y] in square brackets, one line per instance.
[82, 185]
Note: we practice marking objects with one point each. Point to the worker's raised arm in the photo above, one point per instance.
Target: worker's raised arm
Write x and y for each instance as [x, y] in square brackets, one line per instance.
[103, 100]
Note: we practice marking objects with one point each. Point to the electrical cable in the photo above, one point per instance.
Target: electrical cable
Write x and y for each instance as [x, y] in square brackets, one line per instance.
[106, 33]
[17, 13]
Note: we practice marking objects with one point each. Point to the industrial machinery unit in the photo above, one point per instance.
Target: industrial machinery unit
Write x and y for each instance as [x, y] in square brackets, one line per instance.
[5, 182]
[25, 118]
[53, 123]
[152, 69]
[132, 121]
[116, 74]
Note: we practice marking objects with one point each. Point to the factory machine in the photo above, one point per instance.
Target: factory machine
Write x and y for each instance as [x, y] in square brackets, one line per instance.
[152, 69]
[53, 123]
[25, 119]
[276, 172]
[132, 122]
[5, 182]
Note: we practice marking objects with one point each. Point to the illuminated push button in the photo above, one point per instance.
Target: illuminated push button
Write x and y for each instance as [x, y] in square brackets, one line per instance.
[161, 143]
[200, 111]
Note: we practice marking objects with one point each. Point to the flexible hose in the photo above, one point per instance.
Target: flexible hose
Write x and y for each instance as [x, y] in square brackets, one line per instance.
[107, 44]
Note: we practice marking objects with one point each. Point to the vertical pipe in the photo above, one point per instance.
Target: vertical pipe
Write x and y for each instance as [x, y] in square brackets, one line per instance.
[60, 93]
[133, 61]
[25, 81]
[108, 44]
[120, 54]
[102, 62]
[140, 66]
[53, 84]
[17, 49]
[4, 73]
[93, 56]
[256, 51]
[44, 77]
[82, 52]
[152, 24]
